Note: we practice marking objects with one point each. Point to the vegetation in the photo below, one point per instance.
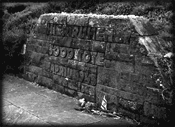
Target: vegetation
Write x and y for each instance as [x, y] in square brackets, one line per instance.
[18, 19]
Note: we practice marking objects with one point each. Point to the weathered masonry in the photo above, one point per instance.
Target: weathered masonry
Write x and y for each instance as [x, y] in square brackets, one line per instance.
[97, 55]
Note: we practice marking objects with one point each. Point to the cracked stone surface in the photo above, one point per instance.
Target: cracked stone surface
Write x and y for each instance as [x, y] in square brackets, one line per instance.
[25, 103]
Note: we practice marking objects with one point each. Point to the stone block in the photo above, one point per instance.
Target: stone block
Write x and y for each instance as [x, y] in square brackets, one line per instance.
[124, 78]
[134, 41]
[129, 114]
[71, 20]
[56, 78]
[72, 64]
[62, 61]
[106, 89]
[123, 48]
[54, 50]
[70, 53]
[109, 63]
[124, 67]
[119, 52]
[64, 41]
[61, 71]
[44, 50]
[87, 79]
[73, 85]
[45, 43]
[47, 73]
[52, 59]
[110, 33]
[126, 58]
[75, 31]
[93, 57]
[70, 92]
[154, 97]
[88, 89]
[82, 44]
[91, 33]
[81, 66]
[78, 55]
[77, 20]
[69, 73]
[90, 79]
[58, 31]
[99, 22]
[154, 111]
[39, 42]
[31, 40]
[31, 47]
[46, 65]
[36, 58]
[63, 52]
[81, 76]
[148, 121]
[47, 82]
[134, 79]
[38, 35]
[37, 49]
[86, 57]
[119, 25]
[34, 69]
[100, 59]
[131, 105]
[101, 34]
[121, 37]
[42, 29]
[137, 84]
[62, 81]
[111, 52]
[83, 32]
[60, 19]
[59, 88]
[147, 70]
[51, 49]
[148, 81]
[90, 67]
[98, 46]
[75, 75]
[107, 77]
[31, 76]
[51, 28]
[29, 54]
[147, 110]
[147, 61]
[119, 93]
[75, 42]
[130, 96]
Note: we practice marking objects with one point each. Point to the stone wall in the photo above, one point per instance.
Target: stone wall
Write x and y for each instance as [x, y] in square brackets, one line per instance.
[97, 55]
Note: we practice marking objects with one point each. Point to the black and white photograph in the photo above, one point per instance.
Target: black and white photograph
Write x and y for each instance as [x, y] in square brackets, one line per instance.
[87, 63]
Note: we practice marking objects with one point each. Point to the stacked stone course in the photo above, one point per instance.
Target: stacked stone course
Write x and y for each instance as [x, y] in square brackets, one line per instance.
[95, 56]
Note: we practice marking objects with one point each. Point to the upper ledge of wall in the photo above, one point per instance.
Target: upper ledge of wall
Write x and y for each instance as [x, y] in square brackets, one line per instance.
[148, 35]
[142, 25]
